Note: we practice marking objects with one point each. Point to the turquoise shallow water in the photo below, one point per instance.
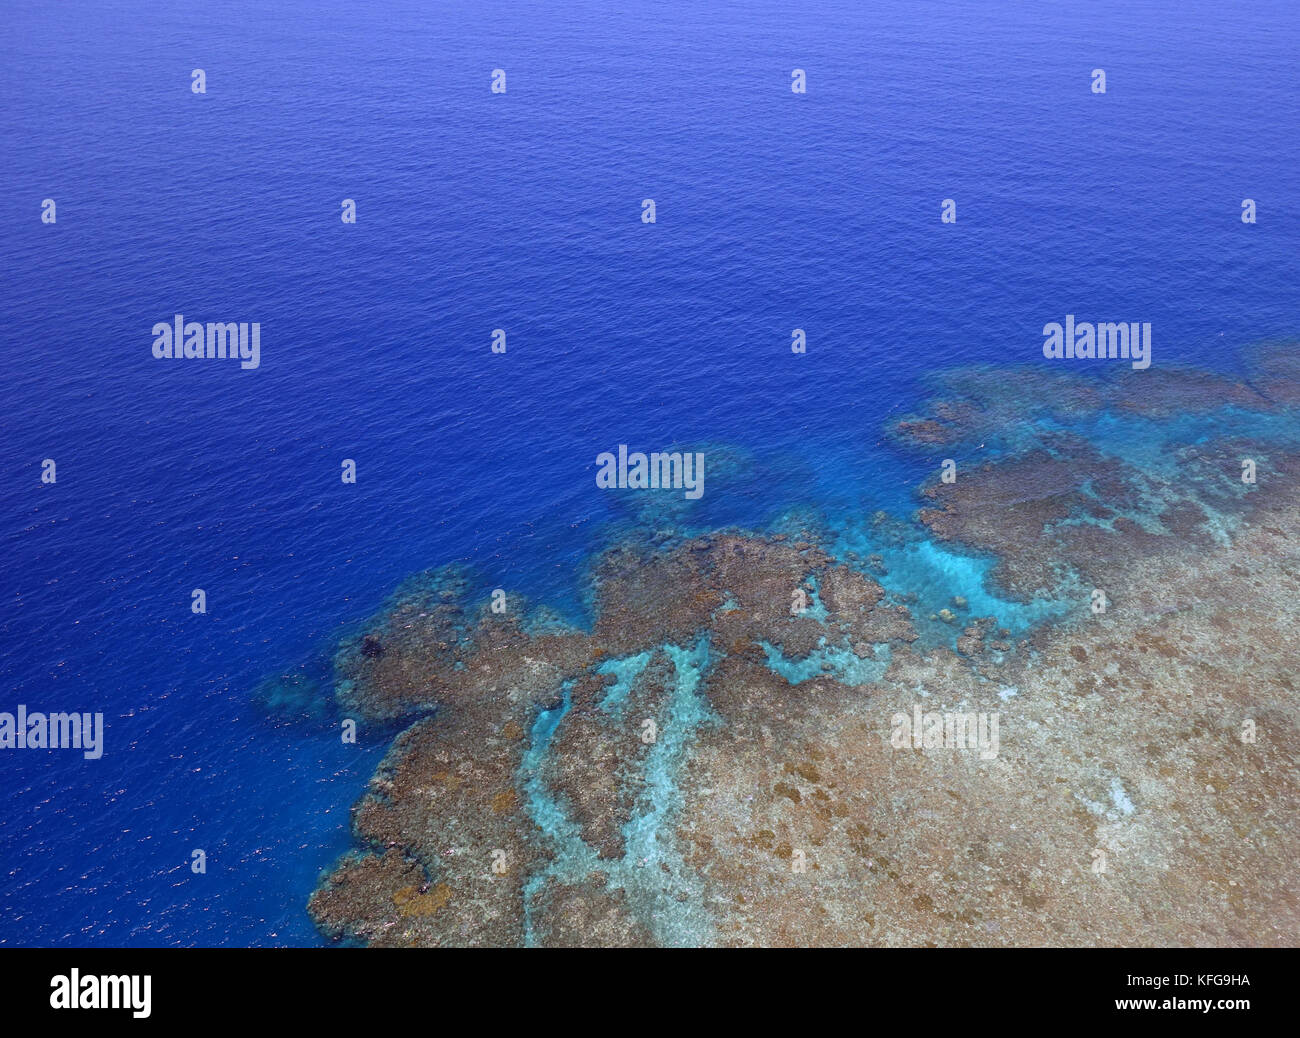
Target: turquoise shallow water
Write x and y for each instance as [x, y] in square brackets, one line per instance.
[676, 917]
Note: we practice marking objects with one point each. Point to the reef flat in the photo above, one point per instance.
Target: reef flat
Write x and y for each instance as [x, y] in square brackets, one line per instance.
[714, 759]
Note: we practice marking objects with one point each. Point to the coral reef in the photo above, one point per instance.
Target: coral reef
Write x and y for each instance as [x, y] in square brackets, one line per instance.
[714, 758]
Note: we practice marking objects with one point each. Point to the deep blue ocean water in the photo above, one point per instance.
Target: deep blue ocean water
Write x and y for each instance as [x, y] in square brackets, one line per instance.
[519, 211]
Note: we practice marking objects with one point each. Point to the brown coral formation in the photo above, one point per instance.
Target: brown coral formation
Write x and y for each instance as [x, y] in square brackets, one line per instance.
[717, 760]
[1124, 806]
[447, 811]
